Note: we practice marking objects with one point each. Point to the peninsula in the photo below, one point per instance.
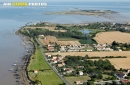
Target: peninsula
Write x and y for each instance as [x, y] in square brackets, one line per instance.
[84, 12]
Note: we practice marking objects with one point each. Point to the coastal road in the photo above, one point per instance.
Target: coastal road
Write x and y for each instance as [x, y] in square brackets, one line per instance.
[54, 69]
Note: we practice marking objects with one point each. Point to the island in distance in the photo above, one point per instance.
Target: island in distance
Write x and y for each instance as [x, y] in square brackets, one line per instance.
[84, 12]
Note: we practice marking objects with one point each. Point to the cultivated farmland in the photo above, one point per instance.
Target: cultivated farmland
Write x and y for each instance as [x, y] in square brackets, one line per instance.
[109, 37]
[91, 54]
[69, 43]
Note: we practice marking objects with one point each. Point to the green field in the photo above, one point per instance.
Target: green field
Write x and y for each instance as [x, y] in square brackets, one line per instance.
[45, 74]
[88, 41]
[72, 79]
[38, 63]
[66, 39]
[96, 30]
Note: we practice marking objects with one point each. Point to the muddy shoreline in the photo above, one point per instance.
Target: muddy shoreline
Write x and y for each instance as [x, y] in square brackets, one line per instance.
[20, 69]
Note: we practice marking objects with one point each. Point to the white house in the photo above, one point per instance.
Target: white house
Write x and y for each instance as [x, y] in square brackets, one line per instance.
[80, 73]
[48, 55]
[41, 35]
[78, 82]
[35, 71]
[128, 70]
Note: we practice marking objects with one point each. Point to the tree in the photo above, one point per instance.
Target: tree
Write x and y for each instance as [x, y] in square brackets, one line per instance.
[114, 43]
[86, 56]
[114, 83]
[107, 83]
[90, 83]
[129, 74]
[100, 76]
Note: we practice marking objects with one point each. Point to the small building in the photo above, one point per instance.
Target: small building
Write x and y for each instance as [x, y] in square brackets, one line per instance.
[128, 70]
[48, 55]
[69, 70]
[60, 65]
[125, 81]
[36, 71]
[121, 75]
[81, 73]
[119, 50]
[41, 35]
[78, 82]
[89, 50]
[54, 58]
[55, 61]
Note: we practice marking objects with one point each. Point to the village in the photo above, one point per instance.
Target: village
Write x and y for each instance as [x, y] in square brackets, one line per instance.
[58, 61]
[78, 58]
[53, 45]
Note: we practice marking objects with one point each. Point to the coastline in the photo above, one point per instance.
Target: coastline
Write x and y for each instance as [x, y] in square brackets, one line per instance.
[26, 72]
[23, 73]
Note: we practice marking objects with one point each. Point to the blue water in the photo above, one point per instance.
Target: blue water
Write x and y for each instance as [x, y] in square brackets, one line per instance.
[86, 31]
[22, 14]
[13, 18]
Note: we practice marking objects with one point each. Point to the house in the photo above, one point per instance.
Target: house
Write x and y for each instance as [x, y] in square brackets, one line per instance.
[48, 55]
[80, 73]
[80, 67]
[54, 58]
[78, 82]
[125, 81]
[55, 61]
[128, 70]
[68, 70]
[119, 50]
[121, 75]
[41, 35]
[60, 65]
[89, 50]
[36, 71]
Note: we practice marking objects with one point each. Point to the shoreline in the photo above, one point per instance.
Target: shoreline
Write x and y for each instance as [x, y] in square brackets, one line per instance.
[46, 67]
[23, 73]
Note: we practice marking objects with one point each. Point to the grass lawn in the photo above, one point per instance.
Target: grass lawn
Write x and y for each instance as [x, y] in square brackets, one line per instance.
[88, 41]
[105, 76]
[89, 48]
[93, 31]
[96, 30]
[72, 79]
[38, 63]
[47, 76]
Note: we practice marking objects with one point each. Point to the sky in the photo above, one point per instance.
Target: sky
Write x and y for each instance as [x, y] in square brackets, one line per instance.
[65, 0]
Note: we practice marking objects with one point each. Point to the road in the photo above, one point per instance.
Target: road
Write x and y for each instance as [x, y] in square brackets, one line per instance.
[54, 69]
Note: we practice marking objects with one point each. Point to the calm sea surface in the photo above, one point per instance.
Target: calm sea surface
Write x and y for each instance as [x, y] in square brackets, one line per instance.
[12, 18]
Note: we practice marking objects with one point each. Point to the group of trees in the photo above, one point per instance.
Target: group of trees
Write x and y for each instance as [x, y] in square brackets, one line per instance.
[81, 61]
[73, 34]
[122, 46]
[106, 57]
[94, 68]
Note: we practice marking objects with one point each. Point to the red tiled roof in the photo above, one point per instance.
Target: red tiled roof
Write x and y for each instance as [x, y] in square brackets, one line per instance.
[125, 81]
